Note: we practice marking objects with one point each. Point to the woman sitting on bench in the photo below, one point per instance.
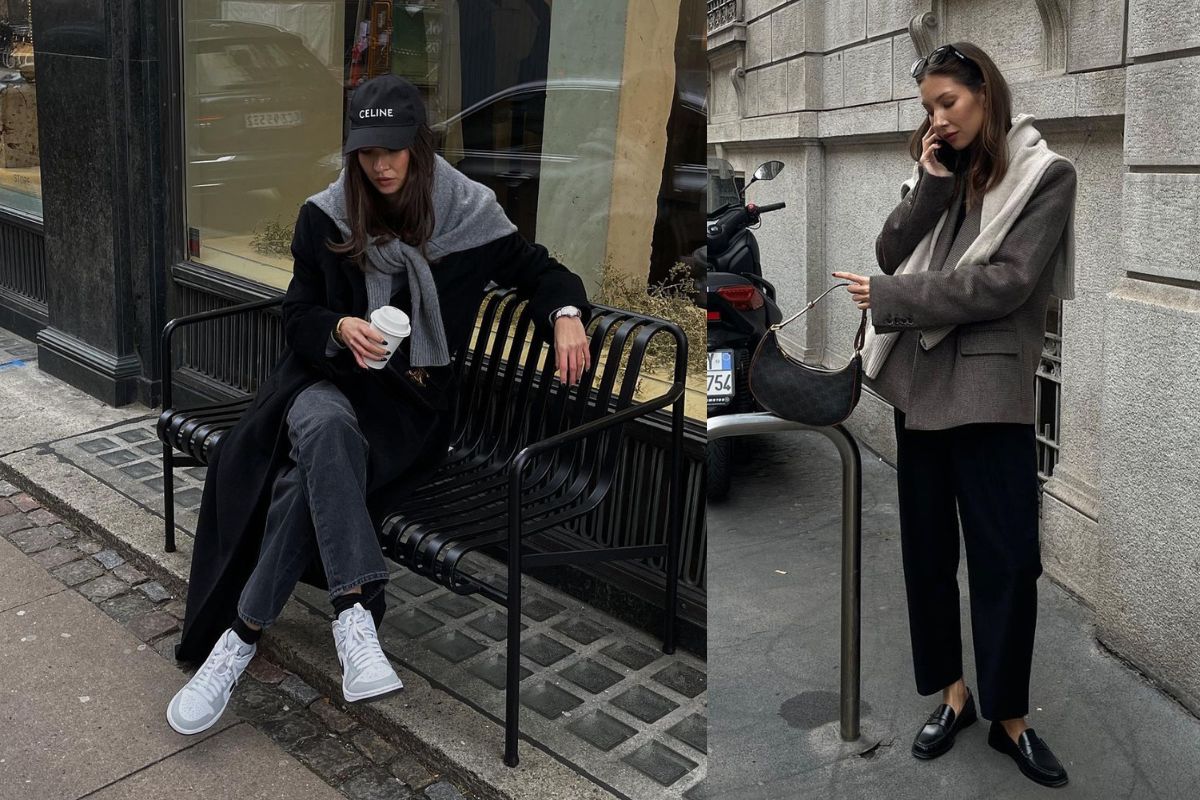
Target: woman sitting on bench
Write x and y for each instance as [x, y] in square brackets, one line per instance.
[344, 427]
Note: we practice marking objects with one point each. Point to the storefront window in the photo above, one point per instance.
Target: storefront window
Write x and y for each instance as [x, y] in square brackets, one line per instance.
[20, 175]
[525, 96]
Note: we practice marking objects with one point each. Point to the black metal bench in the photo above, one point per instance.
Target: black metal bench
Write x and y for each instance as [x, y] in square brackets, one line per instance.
[528, 455]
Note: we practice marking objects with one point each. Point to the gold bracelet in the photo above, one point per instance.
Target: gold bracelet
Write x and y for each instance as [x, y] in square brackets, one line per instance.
[337, 331]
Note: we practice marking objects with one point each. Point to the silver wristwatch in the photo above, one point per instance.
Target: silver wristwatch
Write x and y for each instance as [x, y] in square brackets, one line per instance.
[566, 311]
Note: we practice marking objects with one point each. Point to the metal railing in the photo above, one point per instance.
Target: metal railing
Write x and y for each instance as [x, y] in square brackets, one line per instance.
[851, 594]
[23, 261]
[724, 12]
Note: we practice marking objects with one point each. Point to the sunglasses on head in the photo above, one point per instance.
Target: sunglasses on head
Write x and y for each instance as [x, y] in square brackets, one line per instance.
[940, 56]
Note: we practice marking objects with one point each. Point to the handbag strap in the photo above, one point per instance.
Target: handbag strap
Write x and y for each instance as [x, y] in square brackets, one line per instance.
[859, 338]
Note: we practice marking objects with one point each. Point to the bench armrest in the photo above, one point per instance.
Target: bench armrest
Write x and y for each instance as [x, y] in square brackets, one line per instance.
[672, 396]
[169, 329]
[528, 453]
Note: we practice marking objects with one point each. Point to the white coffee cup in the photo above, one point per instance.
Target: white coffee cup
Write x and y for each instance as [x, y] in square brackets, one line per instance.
[393, 325]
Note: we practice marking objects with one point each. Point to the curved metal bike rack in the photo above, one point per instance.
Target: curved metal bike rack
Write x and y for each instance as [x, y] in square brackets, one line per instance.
[762, 422]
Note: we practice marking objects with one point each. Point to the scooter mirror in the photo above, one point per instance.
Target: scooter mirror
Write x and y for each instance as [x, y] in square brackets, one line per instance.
[768, 171]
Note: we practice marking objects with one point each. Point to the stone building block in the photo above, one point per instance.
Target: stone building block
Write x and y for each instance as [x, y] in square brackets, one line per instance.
[778, 126]
[888, 16]
[867, 73]
[758, 43]
[757, 8]
[1045, 98]
[787, 31]
[1163, 26]
[1100, 94]
[912, 114]
[1150, 484]
[1010, 32]
[831, 81]
[772, 89]
[789, 234]
[753, 80]
[1162, 112]
[842, 22]
[1099, 202]
[721, 94]
[1162, 224]
[903, 56]
[859, 121]
[724, 132]
[863, 187]
[1094, 32]
[804, 83]
[723, 100]
[1068, 546]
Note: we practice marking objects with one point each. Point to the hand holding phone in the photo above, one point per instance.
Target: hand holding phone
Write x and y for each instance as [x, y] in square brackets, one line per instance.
[938, 157]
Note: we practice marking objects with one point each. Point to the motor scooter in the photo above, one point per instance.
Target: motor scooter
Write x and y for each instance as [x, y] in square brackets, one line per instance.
[739, 302]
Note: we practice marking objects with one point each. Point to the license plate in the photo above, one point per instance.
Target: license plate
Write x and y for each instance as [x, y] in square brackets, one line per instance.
[720, 373]
[274, 119]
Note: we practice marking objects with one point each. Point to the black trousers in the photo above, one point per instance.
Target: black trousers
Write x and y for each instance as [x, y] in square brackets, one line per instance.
[989, 471]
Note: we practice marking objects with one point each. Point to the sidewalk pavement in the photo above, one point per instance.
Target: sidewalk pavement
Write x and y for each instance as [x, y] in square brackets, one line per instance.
[86, 642]
[605, 714]
[774, 582]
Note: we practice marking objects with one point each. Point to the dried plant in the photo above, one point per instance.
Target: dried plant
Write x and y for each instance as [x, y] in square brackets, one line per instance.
[273, 238]
[670, 299]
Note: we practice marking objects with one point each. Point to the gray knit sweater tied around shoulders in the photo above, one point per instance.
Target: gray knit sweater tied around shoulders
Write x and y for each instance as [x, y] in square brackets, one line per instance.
[466, 215]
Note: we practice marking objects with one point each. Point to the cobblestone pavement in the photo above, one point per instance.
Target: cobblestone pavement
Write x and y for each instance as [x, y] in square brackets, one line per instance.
[352, 758]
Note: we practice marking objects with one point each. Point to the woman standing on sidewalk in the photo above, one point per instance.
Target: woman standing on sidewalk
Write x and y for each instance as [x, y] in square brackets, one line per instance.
[981, 239]
[298, 488]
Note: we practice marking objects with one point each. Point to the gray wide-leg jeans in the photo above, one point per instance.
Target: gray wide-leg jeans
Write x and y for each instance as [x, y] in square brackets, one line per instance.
[323, 488]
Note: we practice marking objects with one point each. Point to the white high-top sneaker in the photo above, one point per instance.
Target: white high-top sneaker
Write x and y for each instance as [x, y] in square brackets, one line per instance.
[201, 702]
[366, 671]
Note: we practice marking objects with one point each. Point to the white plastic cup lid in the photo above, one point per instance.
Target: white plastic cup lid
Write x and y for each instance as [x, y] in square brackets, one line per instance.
[391, 321]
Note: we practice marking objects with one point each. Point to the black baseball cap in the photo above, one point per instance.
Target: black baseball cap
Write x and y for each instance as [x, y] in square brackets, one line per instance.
[384, 112]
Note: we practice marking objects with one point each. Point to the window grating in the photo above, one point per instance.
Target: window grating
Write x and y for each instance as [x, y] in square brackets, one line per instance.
[722, 13]
[23, 262]
[1048, 393]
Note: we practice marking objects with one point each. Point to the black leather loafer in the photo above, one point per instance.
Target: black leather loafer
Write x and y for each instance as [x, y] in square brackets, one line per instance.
[937, 735]
[1032, 755]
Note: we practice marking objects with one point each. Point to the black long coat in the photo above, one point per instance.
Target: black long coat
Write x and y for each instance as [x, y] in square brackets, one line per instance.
[404, 425]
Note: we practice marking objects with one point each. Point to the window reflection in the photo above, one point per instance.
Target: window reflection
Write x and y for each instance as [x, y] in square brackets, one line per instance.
[266, 85]
[20, 170]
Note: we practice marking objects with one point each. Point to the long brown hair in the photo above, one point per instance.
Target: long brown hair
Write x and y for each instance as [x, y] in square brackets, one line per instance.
[989, 151]
[408, 215]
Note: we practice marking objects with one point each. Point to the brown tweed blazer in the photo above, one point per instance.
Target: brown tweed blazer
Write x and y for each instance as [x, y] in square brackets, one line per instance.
[984, 370]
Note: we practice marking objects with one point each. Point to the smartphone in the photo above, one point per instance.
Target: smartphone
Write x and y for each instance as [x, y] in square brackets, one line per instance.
[947, 155]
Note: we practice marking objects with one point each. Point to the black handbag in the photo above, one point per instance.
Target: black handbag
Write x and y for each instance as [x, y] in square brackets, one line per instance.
[793, 390]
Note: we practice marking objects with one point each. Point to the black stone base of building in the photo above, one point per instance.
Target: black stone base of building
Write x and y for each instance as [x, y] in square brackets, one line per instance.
[21, 315]
[111, 379]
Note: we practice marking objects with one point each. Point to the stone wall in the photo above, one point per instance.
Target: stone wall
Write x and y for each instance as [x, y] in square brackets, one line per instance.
[824, 87]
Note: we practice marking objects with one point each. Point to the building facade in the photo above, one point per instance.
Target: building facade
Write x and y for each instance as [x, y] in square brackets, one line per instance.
[1115, 87]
